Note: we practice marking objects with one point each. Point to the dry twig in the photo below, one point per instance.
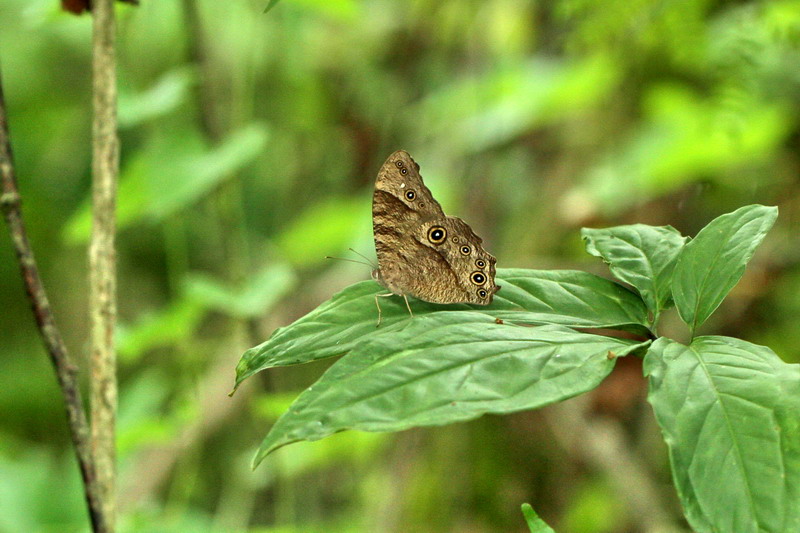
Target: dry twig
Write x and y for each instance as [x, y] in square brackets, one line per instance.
[102, 255]
[66, 371]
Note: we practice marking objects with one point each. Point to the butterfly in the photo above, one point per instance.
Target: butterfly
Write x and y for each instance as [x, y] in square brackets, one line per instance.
[421, 251]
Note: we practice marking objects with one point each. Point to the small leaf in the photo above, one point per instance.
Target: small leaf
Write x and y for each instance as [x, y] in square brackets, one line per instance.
[535, 524]
[641, 255]
[711, 264]
[564, 297]
[200, 175]
[271, 5]
[149, 192]
[446, 367]
[169, 92]
[260, 293]
[163, 327]
[728, 411]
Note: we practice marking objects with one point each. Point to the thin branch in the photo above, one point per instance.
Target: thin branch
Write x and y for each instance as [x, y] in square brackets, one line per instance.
[66, 371]
[102, 254]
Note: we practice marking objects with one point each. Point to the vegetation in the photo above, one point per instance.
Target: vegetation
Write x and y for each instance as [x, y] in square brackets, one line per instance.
[249, 144]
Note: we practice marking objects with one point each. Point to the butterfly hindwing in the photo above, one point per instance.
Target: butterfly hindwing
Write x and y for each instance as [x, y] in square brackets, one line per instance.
[421, 251]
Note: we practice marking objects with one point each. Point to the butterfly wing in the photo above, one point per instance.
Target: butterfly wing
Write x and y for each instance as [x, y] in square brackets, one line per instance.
[421, 252]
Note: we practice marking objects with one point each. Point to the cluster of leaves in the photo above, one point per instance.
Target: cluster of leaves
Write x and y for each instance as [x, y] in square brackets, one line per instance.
[727, 408]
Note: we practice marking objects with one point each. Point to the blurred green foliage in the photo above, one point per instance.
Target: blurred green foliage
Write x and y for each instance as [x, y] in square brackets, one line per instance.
[529, 119]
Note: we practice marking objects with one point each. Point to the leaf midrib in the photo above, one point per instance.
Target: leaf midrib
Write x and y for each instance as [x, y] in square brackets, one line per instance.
[448, 367]
[729, 425]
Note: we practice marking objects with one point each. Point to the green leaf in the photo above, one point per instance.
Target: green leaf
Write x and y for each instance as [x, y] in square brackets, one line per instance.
[271, 5]
[641, 255]
[565, 297]
[711, 264]
[259, 294]
[159, 328]
[480, 112]
[166, 95]
[446, 367]
[535, 524]
[149, 192]
[201, 174]
[728, 410]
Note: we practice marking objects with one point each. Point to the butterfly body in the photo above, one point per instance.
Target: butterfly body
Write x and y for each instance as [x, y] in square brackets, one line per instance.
[421, 251]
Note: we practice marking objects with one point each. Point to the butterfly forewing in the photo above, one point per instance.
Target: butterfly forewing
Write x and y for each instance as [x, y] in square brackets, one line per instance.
[421, 252]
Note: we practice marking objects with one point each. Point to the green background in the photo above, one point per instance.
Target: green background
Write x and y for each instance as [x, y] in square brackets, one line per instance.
[529, 120]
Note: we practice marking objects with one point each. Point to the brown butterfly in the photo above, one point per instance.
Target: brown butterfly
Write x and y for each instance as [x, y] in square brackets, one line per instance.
[422, 252]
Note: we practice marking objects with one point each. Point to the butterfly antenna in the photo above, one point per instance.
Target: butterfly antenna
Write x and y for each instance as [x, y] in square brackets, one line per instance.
[373, 265]
[350, 260]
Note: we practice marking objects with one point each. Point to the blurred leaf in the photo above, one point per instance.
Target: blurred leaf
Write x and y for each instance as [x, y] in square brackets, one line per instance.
[595, 507]
[566, 297]
[641, 255]
[254, 299]
[728, 412]
[710, 265]
[164, 327]
[535, 524]
[180, 319]
[347, 448]
[500, 105]
[343, 10]
[203, 173]
[446, 367]
[28, 475]
[272, 405]
[684, 137]
[141, 420]
[270, 5]
[172, 174]
[169, 92]
[324, 229]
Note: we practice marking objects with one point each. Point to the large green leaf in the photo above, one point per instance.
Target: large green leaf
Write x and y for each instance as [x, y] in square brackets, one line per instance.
[728, 410]
[446, 367]
[641, 255]
[711, 264]
[564, 297]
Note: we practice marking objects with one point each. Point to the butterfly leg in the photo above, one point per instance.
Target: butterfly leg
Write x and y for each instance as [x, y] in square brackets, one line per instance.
[408, 306]
[379, 305]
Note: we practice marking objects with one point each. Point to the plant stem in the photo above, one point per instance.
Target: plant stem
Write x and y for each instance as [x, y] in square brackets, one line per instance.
[102, 255]
[66, 371]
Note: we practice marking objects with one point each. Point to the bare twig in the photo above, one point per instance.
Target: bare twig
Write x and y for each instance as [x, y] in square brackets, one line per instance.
[102, 255]
[66, 371]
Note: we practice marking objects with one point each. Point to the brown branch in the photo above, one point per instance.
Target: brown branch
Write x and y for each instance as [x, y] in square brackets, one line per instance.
[209, 114]
[66, 371]
[102, 255]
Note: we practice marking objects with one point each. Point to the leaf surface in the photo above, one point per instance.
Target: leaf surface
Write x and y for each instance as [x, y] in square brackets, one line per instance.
[446, 367]
[564, 297]
[713, 262]
[641, 255]
[728, 410]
